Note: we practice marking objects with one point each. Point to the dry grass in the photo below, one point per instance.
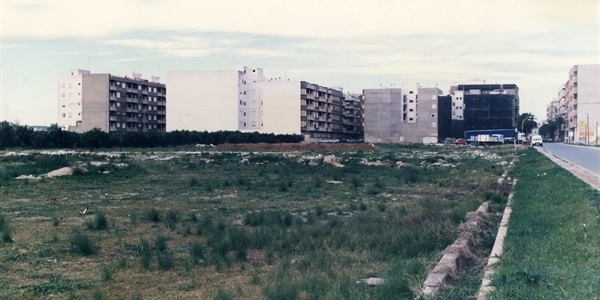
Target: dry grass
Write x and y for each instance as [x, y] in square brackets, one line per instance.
[329, 235]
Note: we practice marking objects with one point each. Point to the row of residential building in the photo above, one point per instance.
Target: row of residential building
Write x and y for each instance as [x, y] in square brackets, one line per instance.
[246, 100]
[578, 105]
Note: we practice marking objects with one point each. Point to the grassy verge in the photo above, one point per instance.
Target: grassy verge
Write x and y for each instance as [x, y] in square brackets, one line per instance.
[552, 250]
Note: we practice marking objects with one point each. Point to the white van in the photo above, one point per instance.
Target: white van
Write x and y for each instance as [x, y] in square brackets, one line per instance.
[536, 140]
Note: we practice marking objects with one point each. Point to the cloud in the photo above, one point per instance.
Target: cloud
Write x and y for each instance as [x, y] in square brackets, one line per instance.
[308, 18]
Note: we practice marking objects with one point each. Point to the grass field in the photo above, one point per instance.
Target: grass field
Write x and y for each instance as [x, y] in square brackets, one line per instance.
[552, 248]
[178, 224]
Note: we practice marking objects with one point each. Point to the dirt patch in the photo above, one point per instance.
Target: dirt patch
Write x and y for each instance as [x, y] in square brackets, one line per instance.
[296, 147]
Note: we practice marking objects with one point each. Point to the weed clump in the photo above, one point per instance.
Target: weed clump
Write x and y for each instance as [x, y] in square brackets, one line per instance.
[5, 230]
[196, 252]
[160, 244]
[165, 261]
[82, 244]
[153, 215]
[171, 219]
[145, 254]
[98, 223]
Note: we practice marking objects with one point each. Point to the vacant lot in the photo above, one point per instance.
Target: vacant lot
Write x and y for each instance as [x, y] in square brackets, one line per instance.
[228, 224]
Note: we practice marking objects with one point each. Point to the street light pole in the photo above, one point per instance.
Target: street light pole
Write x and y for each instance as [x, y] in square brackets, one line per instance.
[523, 124]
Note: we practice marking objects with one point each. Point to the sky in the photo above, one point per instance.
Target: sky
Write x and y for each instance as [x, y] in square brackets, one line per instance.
[355, 44]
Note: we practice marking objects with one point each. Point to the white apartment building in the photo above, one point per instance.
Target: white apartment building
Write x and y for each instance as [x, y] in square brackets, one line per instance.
[582, 104]
[110, 103]
[246, 100]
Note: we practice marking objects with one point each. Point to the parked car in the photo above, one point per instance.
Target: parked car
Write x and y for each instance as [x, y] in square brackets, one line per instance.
[536, 140]
[460, 142]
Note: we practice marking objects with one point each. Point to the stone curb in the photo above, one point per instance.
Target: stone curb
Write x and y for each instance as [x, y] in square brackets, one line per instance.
[447, 265]
[496, 254]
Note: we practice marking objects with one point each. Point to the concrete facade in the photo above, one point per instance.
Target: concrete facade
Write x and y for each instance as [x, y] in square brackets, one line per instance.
[111, 103]
[398, 115]
[383, 113]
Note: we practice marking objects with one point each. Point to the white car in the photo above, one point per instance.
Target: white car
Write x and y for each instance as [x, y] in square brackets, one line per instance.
[536, 140]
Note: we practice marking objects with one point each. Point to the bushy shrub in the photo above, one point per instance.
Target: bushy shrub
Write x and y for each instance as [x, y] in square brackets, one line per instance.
[196, 252]
[98, 223]
[171, 219]
[153, 215]
[145, 253]
[160, 244]
[83, 244]
[165, 261]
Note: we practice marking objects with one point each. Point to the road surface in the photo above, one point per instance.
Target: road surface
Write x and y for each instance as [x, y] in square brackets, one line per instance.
[583, 162]
[585, 157]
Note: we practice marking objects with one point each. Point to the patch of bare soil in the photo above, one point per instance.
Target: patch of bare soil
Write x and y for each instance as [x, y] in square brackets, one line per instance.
[296, 147]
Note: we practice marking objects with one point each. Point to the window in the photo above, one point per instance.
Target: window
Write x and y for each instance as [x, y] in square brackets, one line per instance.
[64, 115]
[433, 106]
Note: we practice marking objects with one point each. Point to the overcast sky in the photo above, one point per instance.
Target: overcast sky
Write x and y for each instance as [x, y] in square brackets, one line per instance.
[355, 44]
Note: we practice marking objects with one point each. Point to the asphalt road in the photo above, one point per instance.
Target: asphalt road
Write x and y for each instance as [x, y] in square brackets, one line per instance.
[585, 157]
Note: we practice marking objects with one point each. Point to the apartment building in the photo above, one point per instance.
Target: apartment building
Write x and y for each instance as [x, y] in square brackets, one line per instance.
[394, 115]
[582, 104]
[111, 103]
[322, 112]
[353, 116]
[246, 100]
[552, 110]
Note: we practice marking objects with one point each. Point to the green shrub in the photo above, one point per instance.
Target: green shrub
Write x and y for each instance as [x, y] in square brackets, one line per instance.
[196, 252]
[153, 215]
[6, 235]
[165, 261]
[83, 244]
[222, 294]
[171, 219]
[160, 244]
[98, 223]
[145, 253]
[3, 222]
[106, 272]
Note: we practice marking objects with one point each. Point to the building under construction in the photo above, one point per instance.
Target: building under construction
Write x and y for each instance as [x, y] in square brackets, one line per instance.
[478, 107]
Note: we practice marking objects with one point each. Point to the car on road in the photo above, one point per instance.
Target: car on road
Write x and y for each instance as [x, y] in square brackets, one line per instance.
[536, 140]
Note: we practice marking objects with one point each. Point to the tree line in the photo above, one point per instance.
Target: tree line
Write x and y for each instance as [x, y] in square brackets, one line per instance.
[12, 135]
